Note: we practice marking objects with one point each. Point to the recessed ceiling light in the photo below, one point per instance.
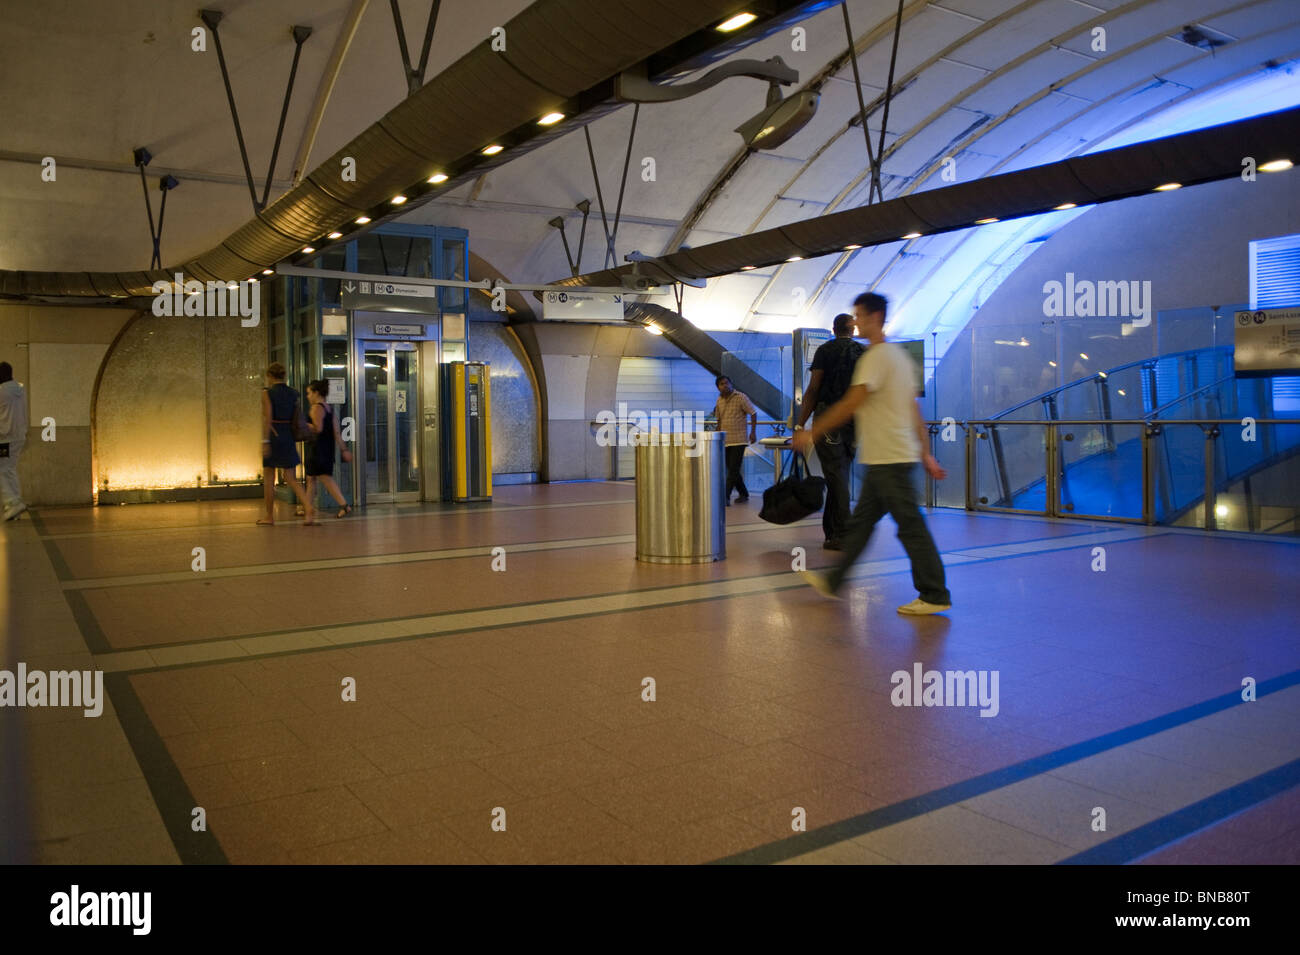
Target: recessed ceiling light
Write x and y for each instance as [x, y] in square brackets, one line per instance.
[397, 200]
[550, 119]
[253, 278]
[1169, 187]
[232, 285]
[986, 221]
[736, 22]
[268, 271]
[437, 177]
[308, 248]
[335, 235]
[1083, 356]
[1065, 205]
[1052, 363]
[492, 150]
[362, 220]
[850, 248]
[795, 258]
[1276, 165]
[912, 235]
[746, 268]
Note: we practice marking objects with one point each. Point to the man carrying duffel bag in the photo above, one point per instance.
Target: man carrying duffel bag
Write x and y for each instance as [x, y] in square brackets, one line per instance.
[892, 438]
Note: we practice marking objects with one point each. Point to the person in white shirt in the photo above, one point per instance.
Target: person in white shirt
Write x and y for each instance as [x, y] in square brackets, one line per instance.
[892, 438]
[13, 437]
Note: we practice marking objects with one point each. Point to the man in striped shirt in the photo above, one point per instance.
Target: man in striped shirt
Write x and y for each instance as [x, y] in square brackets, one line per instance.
[731, 408]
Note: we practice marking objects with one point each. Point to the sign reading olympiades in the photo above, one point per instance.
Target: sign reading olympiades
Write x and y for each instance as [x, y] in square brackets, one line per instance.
[582, 306]
[389, 296]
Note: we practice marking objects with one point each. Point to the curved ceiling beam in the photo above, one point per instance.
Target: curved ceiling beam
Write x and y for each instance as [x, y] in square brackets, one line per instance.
[1199, 156]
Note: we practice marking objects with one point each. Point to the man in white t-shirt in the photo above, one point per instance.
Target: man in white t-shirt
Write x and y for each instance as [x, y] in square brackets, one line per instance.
[892, 438]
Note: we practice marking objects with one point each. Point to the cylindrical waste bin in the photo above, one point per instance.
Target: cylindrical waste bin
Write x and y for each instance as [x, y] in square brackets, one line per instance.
[680, 482]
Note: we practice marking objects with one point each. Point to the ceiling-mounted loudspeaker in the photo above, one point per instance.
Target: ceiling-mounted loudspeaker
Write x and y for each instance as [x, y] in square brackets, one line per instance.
[779, 121]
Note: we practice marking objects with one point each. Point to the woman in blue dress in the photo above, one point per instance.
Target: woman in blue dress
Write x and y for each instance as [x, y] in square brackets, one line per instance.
[280, 407]
[320, 449]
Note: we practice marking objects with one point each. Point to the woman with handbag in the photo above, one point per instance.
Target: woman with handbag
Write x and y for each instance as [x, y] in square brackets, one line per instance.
[320, 449]
[283, 425]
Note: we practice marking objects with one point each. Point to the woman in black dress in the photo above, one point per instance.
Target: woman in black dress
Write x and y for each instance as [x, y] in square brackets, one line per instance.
[320, 449]
[280, 406]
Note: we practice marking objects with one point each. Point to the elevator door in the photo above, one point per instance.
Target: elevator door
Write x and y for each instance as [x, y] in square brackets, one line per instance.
[391, 457]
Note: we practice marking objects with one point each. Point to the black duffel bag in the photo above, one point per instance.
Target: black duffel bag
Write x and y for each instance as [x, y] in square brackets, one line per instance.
[795, 496]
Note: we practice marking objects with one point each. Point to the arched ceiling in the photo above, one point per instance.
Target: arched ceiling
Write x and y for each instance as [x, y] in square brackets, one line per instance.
[994, 85]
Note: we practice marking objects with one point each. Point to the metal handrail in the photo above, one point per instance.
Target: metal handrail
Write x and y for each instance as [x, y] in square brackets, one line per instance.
[1080, 422]
[1103, 375]
[1152, 427]
[1191, 394]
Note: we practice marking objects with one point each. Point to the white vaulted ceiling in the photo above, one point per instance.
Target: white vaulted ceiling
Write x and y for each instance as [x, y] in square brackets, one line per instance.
[994, 85]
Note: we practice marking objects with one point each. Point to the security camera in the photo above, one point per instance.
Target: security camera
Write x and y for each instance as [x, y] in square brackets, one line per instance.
[779, 120]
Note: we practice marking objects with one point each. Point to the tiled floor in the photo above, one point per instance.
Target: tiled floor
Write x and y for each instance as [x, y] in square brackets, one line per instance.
[506, 716]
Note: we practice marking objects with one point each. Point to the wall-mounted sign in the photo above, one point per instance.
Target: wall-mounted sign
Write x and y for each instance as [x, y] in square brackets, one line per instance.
[1267, 342]
[408, 331]
[394, 296]
[333, 321]
[582, 306]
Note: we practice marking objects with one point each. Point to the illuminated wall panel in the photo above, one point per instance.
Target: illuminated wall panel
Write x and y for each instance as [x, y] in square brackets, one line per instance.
[178, 401]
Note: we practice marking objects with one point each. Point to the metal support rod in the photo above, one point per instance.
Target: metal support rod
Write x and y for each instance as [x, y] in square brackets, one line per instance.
[600, 196]
[558, 224]
[857, 85]
[1052, 504]
[156, 263]
[585, 208]
[929, 481]
[1000, 462]
[148, 205]
[1148, 483]
[889, 95]
[618, 211]
[1211, 521]
[1103, 398]
[300, 35]
[970, 469]
[428, 40]
[211, 18]
[401, 43]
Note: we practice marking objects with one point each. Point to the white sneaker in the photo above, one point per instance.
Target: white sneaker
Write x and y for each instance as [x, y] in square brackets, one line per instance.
[818, 583]
[919, 608]
[13, 515]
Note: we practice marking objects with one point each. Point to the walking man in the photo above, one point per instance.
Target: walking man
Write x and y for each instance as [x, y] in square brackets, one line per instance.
[891, 439]
[13, 437]
[730, 409]
[828, 380]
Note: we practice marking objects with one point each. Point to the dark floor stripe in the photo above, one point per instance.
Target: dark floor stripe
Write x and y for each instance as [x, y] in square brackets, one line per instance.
[172, 796]
[859, 825]
[1199, 815]
[61, 568]
[91, 632]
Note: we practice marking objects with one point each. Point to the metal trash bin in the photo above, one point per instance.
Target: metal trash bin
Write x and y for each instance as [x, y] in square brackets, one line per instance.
[680, 497]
